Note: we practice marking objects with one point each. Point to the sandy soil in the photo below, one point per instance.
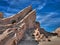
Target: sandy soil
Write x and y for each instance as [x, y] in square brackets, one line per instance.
[54, 41]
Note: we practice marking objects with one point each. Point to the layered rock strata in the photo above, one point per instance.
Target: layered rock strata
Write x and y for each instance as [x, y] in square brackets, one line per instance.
[14, 28]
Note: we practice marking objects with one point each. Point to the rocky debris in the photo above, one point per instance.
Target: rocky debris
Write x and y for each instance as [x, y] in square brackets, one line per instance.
[40, 37]
[37, 35]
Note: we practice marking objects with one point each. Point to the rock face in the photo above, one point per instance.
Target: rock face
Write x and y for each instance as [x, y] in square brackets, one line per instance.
[12, 29]
[58, 31]
[23, 24]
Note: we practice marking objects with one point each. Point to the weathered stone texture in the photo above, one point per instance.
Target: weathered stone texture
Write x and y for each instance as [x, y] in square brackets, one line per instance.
[18, 24]
[58, 31]
[14, 28]
[18, 16]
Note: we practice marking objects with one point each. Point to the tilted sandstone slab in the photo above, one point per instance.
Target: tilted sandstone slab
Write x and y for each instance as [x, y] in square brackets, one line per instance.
[17, 16]
[12, 29]
[21, 25]
[11, 36]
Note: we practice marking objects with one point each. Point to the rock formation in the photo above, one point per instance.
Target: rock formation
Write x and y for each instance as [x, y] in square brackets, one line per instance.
[58, 31]
[14, 28]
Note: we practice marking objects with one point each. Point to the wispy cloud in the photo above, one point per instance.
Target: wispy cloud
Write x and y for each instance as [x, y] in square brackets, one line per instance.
[48, 16]
[41, 6]
[48, 21]
[39, 17]
[6, 15]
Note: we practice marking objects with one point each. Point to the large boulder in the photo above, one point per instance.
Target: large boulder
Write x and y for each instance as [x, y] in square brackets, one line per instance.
[58, 31]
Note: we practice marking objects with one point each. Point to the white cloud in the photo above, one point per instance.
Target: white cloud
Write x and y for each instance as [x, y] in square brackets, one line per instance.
[48, 16]
[47, 20]
[41, 6]
[39, 17]
[7, 14]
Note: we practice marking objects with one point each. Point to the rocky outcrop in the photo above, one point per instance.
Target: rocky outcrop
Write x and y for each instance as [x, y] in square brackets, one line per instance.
[40, 33]
[22, 25]
[18, 25]
[17, 17]
[58, 31]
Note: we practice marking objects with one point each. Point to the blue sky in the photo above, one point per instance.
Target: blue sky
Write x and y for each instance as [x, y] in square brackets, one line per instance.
[47, 11]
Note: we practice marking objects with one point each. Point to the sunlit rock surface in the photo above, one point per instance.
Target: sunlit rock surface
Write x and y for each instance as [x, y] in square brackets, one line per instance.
[58, 31]
[23, 29]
